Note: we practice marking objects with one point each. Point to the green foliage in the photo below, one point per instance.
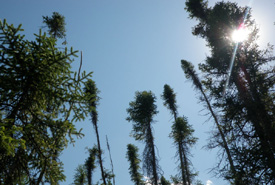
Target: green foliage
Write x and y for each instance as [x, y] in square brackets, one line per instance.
[175, 179]
[169, 98]
[40, 99]
[90, 163]
[134, 169]
[141, 112]
[80, 177]
[92, 100]
[246, 108]
[163, 181]
[182, 132]
[56, 25]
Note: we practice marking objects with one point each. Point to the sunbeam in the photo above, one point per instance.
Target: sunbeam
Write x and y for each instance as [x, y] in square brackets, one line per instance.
[238, 36]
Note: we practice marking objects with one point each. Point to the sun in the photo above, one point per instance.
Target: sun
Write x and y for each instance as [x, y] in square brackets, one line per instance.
[241, 34]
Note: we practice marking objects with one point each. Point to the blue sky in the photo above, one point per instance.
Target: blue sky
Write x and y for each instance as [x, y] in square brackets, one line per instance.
[134, 46]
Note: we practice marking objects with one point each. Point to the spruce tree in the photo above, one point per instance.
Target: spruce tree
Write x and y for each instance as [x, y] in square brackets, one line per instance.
[134, 169]
[40, 101]
[141, 113]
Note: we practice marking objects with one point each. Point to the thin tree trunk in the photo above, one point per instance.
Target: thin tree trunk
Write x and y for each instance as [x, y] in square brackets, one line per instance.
[99, 155]
[232, 167]
[186, 168]
[108, 146]
[151, 140]
[182, 164]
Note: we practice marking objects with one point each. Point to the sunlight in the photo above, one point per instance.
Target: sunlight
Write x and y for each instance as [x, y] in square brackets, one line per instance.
[209, 182]
[241, 34]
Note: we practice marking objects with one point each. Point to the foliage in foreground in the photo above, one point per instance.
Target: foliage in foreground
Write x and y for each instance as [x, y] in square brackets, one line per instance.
[40, 99]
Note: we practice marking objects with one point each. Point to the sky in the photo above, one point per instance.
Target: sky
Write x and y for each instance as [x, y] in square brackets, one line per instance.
[134, 46]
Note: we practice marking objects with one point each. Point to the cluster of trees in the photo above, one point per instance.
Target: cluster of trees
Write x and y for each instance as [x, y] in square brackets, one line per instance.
[141, 113]
[41, 98]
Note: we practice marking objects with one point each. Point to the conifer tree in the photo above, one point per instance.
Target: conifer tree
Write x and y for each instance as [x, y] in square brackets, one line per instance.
[56, 25]
[40, 100]
[141, 113]
[90, 163]
[134, 169]
[80, 177]
[92, 100]
[181, 133]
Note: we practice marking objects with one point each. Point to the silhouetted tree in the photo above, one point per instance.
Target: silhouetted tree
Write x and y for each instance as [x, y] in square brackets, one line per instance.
[181, 134]
[190, 73]
[163, 181]
[243, 97]
[141, 112]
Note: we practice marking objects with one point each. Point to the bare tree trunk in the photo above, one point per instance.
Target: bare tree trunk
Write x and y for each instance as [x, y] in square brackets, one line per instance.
[99, 155]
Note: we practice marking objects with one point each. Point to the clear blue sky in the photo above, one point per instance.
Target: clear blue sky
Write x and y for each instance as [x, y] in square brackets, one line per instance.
[133, 46]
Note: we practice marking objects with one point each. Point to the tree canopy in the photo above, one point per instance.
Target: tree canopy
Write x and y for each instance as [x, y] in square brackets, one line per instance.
[246, 102]
[141, 113]
[56, 25]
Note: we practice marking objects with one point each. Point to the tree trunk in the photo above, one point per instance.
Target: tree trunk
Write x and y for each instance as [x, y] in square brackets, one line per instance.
[151, 140]
[225, 146]
[182, 164]
[99, 155]
[188, 179]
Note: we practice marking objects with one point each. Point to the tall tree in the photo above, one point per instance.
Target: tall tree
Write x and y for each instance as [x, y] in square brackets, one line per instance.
[92, 101]
[40, 100]
[181, 133]
[56, 25]
[141, 112]
[134, 169]
[190, 73]
[247, 106]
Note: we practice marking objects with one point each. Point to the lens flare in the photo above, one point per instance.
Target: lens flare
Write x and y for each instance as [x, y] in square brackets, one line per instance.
[241, 34]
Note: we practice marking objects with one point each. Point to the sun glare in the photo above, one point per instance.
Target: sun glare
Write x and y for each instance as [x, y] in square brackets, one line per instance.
[241, 34]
